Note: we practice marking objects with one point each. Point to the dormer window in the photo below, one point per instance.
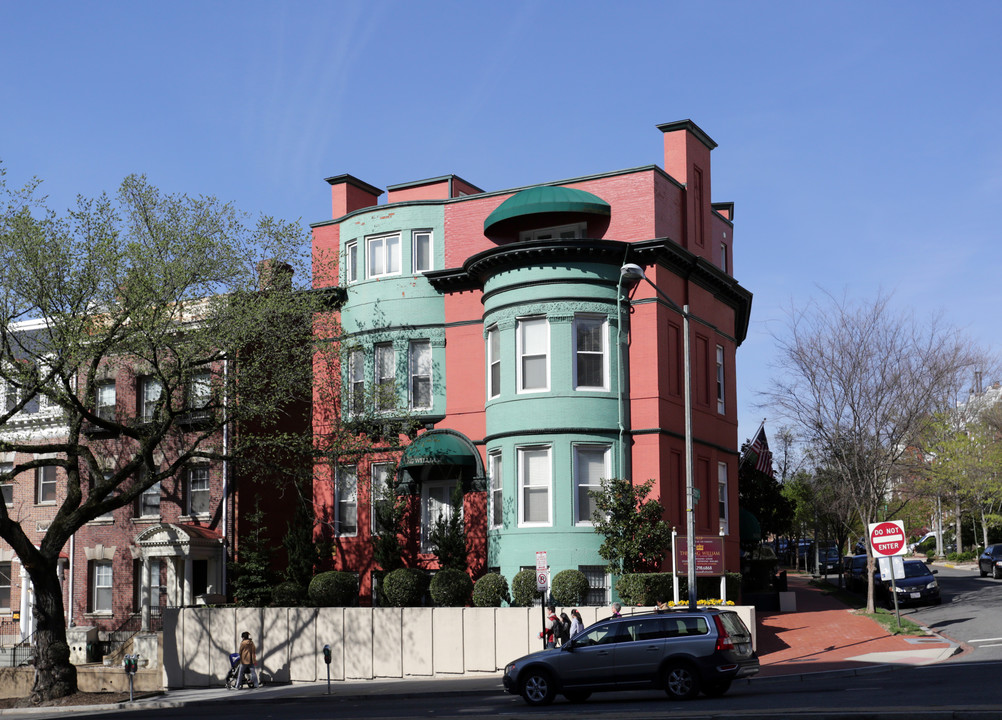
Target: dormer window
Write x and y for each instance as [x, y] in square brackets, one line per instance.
[559, 232]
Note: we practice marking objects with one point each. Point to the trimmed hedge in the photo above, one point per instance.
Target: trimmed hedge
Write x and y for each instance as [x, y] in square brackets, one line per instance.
[523, 589]
[491, 590]
[289, 594]
[334, 589]
[570, 587]
[645, 589]
[405, 587]
[450, 588]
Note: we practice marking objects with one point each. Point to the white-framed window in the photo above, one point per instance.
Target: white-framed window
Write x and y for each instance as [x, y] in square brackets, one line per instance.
[356, 382]
[723, 256]
[436, 504]
[380, 474]
[721, 408]
[198, 490]
[386, 377]
[101, 585]
[351, 262]
[137, 584]
[104, 400]
[110, 515]
[421, 251]
[7, 488]
[534, 479]
[45, 484]
[558, 232]
[591, 466]
[591, 366]
[148, 505]
[384, 255]
[150, 391]
[598, 584]
[493, 362]
[494, 469]
[199, 391]
[5, 570]
[347, 501]
[419, 364]
[533, 354]
[722, 497]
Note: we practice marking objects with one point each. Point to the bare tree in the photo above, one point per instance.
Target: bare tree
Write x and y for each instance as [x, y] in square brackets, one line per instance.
[860, 382]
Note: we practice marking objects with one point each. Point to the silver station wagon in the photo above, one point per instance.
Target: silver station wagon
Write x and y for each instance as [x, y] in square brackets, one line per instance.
[683, 652]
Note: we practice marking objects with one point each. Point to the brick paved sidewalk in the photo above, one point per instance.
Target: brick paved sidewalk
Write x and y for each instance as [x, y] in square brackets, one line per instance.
[825, 635]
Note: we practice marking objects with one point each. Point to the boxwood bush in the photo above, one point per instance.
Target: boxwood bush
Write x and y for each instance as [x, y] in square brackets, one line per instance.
[334, 589]
[491, 590]
[570, 587]
[289, 594]
[523, 588]
[405, 587]
[450, 588]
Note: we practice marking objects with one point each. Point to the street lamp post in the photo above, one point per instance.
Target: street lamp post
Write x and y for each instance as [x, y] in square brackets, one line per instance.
[635, 273]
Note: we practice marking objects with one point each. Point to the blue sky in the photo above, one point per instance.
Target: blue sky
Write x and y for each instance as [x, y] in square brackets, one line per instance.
[859, 140]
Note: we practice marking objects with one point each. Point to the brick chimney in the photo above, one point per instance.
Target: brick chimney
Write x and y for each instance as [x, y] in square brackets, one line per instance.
[348, 194]
[687, 159]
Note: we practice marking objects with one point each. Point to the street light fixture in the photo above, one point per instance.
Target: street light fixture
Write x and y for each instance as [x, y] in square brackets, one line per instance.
[634, 273]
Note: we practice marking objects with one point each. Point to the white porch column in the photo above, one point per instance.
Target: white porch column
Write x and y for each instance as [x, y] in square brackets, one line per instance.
[144, 593]
[173, 591]
[187, 580]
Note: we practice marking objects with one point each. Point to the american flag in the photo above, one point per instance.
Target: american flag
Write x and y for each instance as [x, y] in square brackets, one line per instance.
[758, 453]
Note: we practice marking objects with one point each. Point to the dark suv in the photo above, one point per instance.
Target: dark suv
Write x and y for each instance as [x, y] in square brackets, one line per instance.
[990, 561]
[682, 652]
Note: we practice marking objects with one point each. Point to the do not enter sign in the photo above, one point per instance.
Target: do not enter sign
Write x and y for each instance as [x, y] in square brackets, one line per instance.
[887, 538]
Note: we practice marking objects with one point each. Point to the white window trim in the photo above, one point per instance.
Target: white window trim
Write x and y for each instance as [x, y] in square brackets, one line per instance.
[721, 382]
[495, 468]
[356, 377]
[722, 498]
[341, 471]
[147, 405]
[411, 374]
[39, 475]
[153, 489]
[189, 473]
[10, 581]
[380, 398]
[351, 268]
[520, 455]
[578, 229]
[431, 251]
[520, 355]
[605, 352]
[95, 610]
[369, 241]
[426, 522]
[606, 474]
[102, 410]
[494, 331]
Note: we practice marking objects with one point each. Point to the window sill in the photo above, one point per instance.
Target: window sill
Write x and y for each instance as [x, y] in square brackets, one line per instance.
[102, 521]
[196, 516]
[46, 503]
[99, 614]
[146, 520]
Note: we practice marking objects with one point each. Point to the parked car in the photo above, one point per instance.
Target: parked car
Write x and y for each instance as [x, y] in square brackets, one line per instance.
[917, 586]
[854, 572]
[990, 561]
[683, 652]
[829, 560]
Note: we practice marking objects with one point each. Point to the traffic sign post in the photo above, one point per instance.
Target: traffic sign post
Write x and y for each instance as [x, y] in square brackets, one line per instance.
[887, 539]
[542, 583]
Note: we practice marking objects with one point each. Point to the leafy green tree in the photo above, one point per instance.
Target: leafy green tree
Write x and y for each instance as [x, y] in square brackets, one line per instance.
[253, 579]
[300, 548]
[637, 536]
[178, 288]
[390, 510]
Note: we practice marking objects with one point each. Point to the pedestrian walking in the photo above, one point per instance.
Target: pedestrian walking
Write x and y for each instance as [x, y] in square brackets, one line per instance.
[248, 659]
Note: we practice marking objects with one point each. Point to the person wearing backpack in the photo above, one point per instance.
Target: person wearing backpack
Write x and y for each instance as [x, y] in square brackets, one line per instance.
[565, 629]
[552, 630]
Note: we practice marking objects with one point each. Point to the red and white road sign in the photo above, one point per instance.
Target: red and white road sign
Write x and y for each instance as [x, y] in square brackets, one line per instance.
[542, 573]
[888, 538]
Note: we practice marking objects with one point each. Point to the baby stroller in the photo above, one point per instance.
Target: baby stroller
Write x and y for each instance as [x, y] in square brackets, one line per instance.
[231, 676]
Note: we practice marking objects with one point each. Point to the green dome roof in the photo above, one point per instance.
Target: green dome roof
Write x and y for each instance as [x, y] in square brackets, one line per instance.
[547, 199]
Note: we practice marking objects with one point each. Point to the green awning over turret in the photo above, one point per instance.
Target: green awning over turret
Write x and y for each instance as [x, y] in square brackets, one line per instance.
[547, 199]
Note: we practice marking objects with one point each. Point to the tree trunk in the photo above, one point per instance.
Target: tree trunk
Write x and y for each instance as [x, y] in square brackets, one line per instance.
[55, 676]
[984, 528]
[959, 545]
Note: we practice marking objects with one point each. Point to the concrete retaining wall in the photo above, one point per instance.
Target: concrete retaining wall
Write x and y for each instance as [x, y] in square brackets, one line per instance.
[365, 643]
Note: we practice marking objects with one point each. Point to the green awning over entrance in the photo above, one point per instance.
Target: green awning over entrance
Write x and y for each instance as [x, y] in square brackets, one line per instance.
[437, 448]
[548, 199]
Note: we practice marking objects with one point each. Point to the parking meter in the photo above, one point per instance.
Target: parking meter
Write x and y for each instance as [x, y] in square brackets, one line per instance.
[327, 659]
[130, 664]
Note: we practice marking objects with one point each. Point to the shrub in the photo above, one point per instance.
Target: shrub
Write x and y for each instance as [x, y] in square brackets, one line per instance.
[966, 556]
[450, 588]
[644, 588]
[405, 587]
[289, 594]
[334, 589]
[570, 587]
[523, 588]
[490, 591]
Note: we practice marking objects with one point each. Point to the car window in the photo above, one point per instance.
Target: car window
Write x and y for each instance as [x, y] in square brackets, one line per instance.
[643, 629]
[733, 624]
[914, 570]
[687, 626]
[997, 551]
[599, 635]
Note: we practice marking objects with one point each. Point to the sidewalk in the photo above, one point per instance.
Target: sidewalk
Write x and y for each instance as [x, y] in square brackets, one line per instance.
[823, 635]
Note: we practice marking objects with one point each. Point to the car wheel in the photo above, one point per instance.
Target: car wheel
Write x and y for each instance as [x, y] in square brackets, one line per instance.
[716, 689]
[577, 696]
[997, 572]
[984, 573]
[681, 682]
[537, 688]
